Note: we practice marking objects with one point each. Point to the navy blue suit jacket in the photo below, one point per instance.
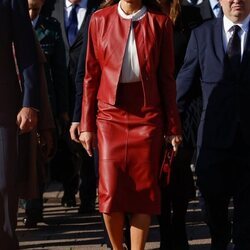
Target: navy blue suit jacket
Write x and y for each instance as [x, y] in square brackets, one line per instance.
[226, 98]
[15, 28]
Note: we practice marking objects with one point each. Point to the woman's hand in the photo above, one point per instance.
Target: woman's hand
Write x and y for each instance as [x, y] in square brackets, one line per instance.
[175, 140]
[88, 141]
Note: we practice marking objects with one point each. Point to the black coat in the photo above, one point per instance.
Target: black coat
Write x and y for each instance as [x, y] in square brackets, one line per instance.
[49, 35]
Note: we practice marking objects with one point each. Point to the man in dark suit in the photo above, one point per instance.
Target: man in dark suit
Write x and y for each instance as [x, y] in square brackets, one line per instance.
[18, 109]
[219, 53]
[73, 15]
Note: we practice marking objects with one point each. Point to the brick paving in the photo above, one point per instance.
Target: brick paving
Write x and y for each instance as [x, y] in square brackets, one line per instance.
[64, 229]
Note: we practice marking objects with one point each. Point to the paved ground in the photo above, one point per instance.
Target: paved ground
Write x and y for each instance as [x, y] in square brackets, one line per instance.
[64, 229]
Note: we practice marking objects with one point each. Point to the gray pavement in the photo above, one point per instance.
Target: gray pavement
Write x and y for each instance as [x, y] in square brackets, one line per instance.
[64, 229]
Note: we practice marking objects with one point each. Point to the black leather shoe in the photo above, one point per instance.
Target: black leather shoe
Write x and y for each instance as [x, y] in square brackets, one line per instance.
[68, 201]
[86, 208]
[30, 222]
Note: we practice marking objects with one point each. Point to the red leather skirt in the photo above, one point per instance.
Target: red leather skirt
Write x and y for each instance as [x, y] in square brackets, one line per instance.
[130, 138]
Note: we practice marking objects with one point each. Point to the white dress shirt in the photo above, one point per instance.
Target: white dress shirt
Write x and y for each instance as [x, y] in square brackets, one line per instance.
[227, 32]
[81, 12]
[130, 68]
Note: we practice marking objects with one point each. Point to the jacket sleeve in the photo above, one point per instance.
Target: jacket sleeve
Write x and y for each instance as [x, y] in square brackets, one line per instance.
[24, 43]
[188, 75]
[167, 83]
[91, 81]
[80, 74]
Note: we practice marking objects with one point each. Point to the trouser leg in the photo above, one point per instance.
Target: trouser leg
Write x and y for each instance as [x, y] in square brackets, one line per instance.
[241, 228]
[180, 241]
[216, 210]
[8, 188]
[165, 220]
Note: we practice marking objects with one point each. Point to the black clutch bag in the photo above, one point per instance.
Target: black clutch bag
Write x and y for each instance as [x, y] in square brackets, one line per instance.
[165, 170]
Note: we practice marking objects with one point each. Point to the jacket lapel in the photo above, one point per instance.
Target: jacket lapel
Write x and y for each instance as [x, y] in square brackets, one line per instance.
[61, 17]
[91, 7]
[80, 31]
[218, 39]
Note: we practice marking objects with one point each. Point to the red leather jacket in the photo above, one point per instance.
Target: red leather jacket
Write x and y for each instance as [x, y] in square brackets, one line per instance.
[108, 34]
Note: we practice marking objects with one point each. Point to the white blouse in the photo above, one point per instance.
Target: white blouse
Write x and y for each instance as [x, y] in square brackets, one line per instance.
[130, 71]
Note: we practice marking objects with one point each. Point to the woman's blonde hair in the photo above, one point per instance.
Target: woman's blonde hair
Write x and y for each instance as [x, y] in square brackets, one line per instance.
[175, 10]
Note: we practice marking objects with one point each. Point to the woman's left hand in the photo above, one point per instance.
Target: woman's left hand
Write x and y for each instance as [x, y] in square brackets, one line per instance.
[175, 140]
[88, 141]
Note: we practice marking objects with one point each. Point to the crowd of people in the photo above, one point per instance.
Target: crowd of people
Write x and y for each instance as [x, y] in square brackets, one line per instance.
[96, 94]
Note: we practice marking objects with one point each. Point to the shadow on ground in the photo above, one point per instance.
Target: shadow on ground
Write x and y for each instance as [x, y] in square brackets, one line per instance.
[64, 229]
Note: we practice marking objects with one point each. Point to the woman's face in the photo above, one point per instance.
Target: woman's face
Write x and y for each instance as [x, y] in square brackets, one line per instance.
[75, 1]
[132, 1]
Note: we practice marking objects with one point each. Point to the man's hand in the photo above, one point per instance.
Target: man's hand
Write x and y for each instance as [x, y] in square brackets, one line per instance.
[88, 141]
[175, 140]
[27, 119]
[74, 132]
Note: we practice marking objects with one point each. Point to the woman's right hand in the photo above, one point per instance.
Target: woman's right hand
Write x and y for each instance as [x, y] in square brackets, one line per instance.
[88, 141]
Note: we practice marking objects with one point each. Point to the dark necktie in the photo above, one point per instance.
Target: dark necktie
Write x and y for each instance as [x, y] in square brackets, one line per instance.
[72, 25]
[234, 49]
[194, 2]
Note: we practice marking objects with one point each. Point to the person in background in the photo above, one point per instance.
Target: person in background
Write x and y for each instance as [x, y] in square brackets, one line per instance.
[181, 189]
[48, 33]
[185, 16]
[218, 51]
[73, 16]
[36, 148]
[129, 101]
[18, 107]
[196, 12]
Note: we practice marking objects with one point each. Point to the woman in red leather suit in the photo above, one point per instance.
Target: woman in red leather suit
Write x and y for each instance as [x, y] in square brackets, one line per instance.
[129, 102]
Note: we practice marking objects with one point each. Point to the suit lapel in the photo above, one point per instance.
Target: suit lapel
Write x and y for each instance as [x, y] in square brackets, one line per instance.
[90, 9]
[218, 39]
[61, 14]
[80, 31]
